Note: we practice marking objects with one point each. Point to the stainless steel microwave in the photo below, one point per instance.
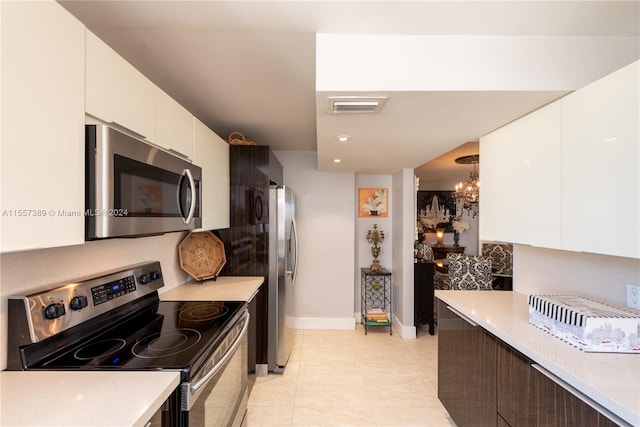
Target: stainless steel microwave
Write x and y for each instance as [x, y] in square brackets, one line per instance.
[135, 189]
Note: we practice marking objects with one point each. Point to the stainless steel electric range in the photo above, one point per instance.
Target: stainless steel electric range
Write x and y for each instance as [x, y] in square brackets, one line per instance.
[116, 321]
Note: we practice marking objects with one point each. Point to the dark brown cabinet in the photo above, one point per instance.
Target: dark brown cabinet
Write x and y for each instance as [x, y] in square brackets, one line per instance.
[257, 339]
[526, 397]
[423, 295]
[252, 169]
[466, 370]
[484, 382]
[249, 185]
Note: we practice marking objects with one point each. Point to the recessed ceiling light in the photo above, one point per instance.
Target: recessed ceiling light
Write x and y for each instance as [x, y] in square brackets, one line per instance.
[337, 160]
[343, 138]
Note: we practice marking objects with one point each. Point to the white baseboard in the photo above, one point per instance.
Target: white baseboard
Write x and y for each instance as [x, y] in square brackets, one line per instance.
[324, 323]
[406, 332]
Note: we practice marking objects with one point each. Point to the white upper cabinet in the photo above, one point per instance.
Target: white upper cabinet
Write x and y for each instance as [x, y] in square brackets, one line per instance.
[601, 166]
[212, 155]
[520, 193]
[116, 92]
[42, 139]
[174, 125]
[567, 176]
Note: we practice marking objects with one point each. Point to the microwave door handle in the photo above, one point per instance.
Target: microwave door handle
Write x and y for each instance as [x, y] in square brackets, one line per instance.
[192, 185]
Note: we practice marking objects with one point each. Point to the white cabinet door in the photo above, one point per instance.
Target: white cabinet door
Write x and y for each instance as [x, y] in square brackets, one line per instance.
[42, 142]
[601, 164]
[174, 125]
[520, 174]
[212, 155]
[116, 92]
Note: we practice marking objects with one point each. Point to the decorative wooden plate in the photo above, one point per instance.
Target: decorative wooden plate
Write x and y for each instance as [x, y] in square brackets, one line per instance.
[202, 255]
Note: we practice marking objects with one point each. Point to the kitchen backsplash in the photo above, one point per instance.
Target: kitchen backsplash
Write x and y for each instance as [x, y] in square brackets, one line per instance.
[548, 271]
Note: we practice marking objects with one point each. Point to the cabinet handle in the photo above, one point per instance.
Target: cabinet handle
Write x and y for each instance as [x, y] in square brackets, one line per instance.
[465, 318]
[586, 399]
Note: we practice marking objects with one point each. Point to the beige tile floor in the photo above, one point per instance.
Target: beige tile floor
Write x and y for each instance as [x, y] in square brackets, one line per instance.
[346, 378]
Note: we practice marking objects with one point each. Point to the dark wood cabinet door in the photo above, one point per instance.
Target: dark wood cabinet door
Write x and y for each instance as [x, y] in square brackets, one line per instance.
[526, 397]
[466, 370]
[516, 387]
[249, 190]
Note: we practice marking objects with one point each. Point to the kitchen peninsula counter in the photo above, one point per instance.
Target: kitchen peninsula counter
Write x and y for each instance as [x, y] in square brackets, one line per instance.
[87, 398]
[224, 288]
[611, 380]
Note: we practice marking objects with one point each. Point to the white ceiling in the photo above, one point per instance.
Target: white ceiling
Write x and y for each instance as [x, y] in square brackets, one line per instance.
[251, 66]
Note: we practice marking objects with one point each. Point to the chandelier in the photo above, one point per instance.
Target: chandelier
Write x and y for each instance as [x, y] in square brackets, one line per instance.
[467, 194]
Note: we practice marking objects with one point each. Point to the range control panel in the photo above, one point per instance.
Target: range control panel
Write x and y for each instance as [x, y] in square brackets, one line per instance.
[66, 305]
[109, 291]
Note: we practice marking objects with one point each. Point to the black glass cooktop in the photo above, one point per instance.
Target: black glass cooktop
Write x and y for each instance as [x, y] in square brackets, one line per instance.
[170, 335]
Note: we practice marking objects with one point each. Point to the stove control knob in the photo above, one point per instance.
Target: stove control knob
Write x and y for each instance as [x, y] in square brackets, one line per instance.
[78, 302]
[144, 279]
[155, 275]
[55, 310]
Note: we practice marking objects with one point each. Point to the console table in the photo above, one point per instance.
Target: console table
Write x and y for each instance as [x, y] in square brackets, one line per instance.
[375, 298]
[440, 252]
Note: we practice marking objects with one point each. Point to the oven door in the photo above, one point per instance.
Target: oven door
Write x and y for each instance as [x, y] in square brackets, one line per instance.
[218, 396]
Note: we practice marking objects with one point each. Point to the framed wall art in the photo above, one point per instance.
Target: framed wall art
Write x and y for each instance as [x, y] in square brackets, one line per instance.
[436, 209]
[373, 202]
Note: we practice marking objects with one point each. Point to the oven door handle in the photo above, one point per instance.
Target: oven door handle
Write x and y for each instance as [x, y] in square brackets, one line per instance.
[194, 388]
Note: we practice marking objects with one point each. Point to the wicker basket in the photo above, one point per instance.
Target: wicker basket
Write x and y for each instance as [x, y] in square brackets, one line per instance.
[202, 255]
[237, 138]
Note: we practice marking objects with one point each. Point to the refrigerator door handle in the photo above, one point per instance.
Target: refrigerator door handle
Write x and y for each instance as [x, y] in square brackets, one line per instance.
[294, 232]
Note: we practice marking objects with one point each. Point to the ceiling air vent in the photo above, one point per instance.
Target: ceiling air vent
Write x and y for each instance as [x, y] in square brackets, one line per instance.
[356, 104]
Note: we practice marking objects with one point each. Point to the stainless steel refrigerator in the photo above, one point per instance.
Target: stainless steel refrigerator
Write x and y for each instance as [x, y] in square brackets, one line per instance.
[283, 264]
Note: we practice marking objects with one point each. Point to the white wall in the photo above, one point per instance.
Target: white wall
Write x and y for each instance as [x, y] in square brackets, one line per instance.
[404, 236]
[21, 272]
[364, 224]
[548, 271]
[325, 209]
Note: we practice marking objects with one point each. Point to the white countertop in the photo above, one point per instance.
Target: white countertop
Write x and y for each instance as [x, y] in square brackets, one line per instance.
[86, 398]
[224, 288]
[612, 380]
